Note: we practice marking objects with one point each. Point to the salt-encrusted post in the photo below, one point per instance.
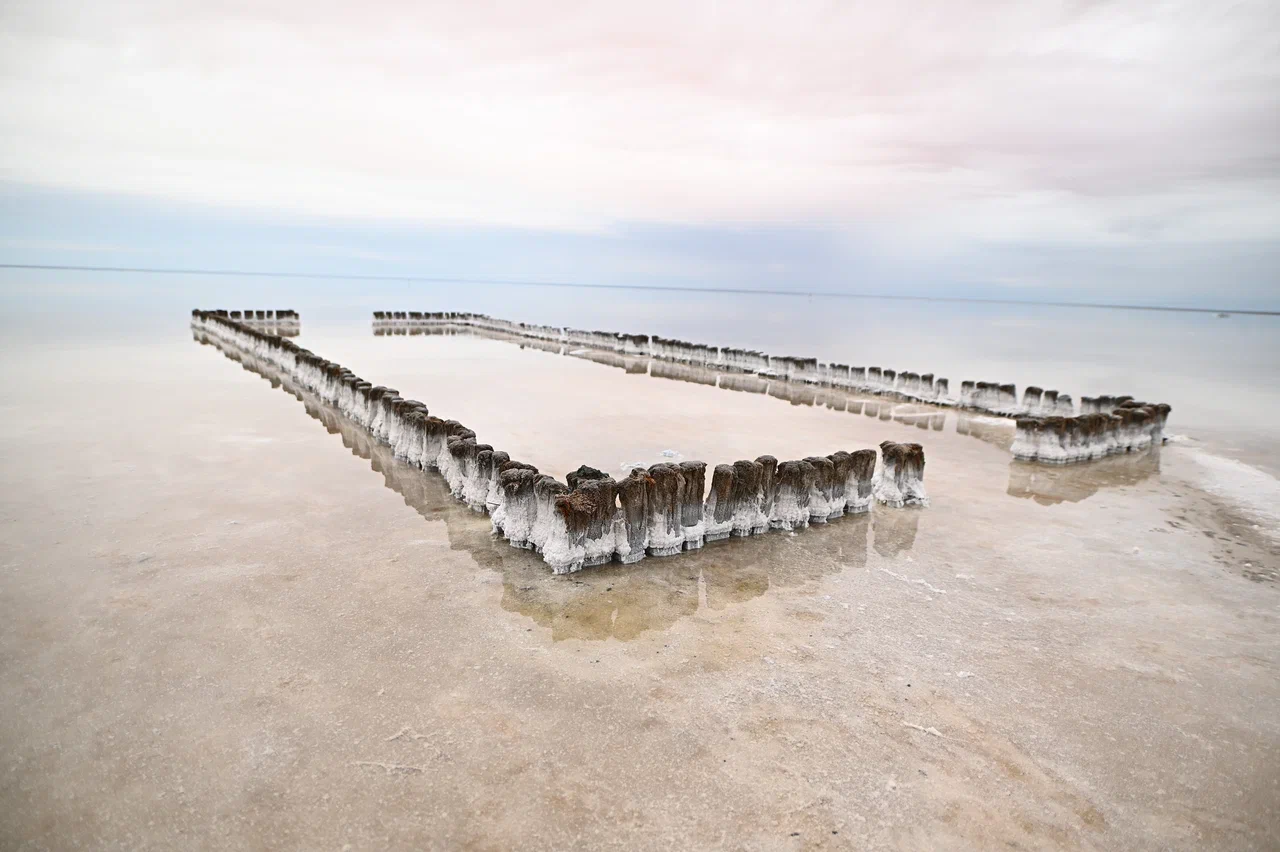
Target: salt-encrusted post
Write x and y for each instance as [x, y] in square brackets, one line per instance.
[768, 471]
[475, 489]
[546, 490]
[408, 445]
[791, 495]
[631, 531]
[566, 544]
[694, 475]
[602, 495]
[843, 463]
[719, 511]
[599, 499]
[1026, 438]
[666, 527]
[1007, 399]
[493, 490]
[745, 497]
[858, 485]
[519, 508]
[379, 413]
[821, 490]
[434, 433]
[900, 481]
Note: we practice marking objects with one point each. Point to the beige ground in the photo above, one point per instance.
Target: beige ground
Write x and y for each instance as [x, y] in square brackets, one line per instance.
[220, 629]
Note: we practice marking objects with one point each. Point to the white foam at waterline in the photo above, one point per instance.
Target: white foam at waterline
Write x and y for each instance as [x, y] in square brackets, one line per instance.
[1253, 491]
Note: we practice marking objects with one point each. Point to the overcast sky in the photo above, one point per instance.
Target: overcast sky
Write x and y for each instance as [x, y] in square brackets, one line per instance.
[1029, 145]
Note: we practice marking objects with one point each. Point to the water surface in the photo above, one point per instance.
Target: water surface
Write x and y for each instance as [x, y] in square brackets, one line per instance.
[227, 618]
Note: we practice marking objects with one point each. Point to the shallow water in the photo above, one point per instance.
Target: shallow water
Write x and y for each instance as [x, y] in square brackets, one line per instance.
[1216, 373]
[228, 619]
[558, 410]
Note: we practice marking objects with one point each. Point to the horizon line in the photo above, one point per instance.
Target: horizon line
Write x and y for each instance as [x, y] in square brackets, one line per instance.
[735, 291]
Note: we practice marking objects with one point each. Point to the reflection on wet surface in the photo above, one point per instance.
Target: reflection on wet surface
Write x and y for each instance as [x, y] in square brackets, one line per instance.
[616, 601]
[989, 428]
[624, 602]
[280, 328]
[1049, 485]
[896, 532]
[992, 430]
[228, 589]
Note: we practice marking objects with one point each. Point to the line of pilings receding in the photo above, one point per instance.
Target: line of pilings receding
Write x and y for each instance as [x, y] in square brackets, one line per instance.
[1049, 430]
[590, 518]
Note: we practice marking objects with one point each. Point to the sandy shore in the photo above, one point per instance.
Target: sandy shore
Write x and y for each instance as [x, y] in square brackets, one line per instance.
[220, 628]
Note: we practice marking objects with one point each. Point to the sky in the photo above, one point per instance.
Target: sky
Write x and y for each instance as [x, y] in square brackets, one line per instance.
[1080, 150]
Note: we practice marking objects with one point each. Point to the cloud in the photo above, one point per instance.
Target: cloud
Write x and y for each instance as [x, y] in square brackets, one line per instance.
[947, 123]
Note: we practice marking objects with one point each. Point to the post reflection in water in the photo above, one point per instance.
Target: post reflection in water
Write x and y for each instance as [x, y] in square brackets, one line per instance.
[896, 531]
[1045, 484]
[615, 601]
[920, 415]
[1050, 485]
[993, 430]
